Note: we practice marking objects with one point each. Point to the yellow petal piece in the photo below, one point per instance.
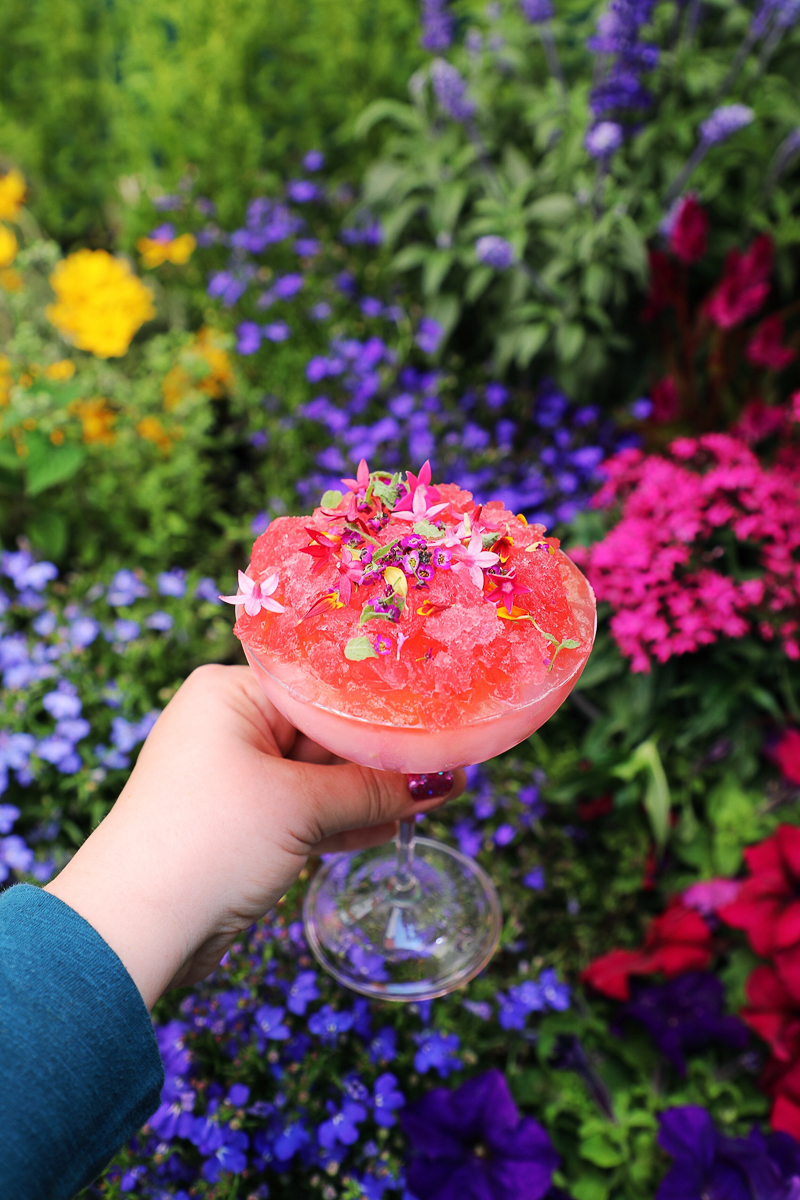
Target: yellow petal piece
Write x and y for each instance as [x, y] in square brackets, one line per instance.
[396, 580]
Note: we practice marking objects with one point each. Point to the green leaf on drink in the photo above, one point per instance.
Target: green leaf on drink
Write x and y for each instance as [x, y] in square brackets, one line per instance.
[359, 648]
[331, 499]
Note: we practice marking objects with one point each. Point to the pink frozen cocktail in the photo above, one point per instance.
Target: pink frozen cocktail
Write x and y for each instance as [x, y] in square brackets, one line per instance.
[407, 628]
[418, 637]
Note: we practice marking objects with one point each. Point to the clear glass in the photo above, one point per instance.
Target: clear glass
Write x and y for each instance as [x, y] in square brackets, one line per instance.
[413, 921]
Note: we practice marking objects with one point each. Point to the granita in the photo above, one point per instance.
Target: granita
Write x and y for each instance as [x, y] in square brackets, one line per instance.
[403, 603]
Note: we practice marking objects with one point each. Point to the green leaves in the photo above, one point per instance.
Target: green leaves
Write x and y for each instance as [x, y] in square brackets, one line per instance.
[656, 800]
[331, 499]
[359, 648]
[46, 464]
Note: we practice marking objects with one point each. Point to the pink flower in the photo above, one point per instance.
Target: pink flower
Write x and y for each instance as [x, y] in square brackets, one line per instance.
[688, 237]
[474, 559]
[709, 895]
[744, 286]
[766, 349]
[350, 572]
[361, 481]
[413, 482]
[505, 588]
[254, 596]
[666, 400]
[420, 509]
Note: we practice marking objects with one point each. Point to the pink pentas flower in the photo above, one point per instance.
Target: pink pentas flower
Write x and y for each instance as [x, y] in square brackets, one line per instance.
[474, 559]
[253, 596]
[413, 482]
[350, 572]
[503, 589]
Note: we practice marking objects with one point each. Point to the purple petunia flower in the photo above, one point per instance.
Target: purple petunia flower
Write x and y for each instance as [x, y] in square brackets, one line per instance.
[534, 879]
[277, 331]
[474, 1142]
[63, 702]
[160, 621]
[494, 251]
[706, 1164]
[685, 1014]
[723, 122]
[207, 589]
[248, 335]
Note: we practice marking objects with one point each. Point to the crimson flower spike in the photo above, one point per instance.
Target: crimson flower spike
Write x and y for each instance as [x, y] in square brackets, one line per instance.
[324, 603]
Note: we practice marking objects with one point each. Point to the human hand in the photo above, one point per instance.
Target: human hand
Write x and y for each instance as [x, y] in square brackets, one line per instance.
[216, 821]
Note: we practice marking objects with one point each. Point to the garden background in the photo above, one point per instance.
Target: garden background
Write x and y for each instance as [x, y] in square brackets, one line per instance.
[554, 249]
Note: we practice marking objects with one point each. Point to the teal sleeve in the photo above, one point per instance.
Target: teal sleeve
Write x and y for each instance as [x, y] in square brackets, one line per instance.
[80, 1070]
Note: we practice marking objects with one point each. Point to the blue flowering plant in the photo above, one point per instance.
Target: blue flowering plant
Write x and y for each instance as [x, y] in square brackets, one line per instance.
[543, 144]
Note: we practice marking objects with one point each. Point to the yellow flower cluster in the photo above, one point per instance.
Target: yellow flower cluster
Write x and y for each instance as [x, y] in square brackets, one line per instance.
[204, 366]
[8, 246]
[155, 251]
[100, 303]
[12, 194]
[6, 380]
[96, 419]
[152, 430]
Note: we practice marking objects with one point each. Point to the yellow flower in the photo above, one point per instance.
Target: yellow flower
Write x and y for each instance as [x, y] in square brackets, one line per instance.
[61, 370]
[5, 380]
[57, 437]
[100, 304]
[12, 193]
[205, 353]
[8, 246]
[151, 429]
[155, 251]
[96, 418]
[11, 280]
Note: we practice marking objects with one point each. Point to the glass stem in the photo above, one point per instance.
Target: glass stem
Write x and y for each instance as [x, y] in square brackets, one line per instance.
[405, 855]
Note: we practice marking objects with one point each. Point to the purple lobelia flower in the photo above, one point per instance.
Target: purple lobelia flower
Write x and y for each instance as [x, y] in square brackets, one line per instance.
[685, 1014]
[342, 1125]
[314, 160]
[494, 251]
[437, 25]
[708, 1166]
[429, 335]
[436, 1051]
[387, 1098]
[450, 89]
[303, 990]
[473, 1142]
[723, 122]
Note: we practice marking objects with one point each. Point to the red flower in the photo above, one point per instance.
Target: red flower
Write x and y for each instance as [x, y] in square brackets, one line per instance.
[768, 904]
[666, 400]
[664, 287]
[589, 810]
[783, 1084]
[766, 349]
[677, 941]
[744, 286]
[772, 1013]
[688, 238]
[787, 755]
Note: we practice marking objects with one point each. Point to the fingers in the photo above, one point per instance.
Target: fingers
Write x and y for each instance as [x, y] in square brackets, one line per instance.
[358, 839]
[335, 799]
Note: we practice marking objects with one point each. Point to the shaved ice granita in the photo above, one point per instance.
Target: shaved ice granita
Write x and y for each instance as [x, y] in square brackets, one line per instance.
[408, 628]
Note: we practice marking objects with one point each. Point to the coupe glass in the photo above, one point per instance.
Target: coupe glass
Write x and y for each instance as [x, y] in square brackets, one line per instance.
[420, 919]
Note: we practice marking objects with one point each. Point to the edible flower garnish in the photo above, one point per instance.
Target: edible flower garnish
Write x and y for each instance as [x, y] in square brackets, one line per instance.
[503, 589]
[420, 510]
[253, 596]
[474, 559]
[322, 550]
[361, 481]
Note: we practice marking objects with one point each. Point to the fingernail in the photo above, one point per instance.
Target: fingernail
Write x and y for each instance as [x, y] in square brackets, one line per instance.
[428, 787]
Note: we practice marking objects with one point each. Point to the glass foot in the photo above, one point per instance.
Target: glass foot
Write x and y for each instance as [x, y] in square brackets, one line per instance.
[402, 938]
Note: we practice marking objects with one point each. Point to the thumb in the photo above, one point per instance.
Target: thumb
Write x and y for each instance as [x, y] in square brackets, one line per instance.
[333, 799]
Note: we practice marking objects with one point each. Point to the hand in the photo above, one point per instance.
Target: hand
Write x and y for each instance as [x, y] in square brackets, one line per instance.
[216, 821]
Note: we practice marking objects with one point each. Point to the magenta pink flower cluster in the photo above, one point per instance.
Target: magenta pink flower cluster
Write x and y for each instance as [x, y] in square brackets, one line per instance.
[704, 549]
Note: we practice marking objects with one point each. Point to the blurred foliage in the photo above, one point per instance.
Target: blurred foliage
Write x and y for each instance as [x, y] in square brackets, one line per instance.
[98, 94]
